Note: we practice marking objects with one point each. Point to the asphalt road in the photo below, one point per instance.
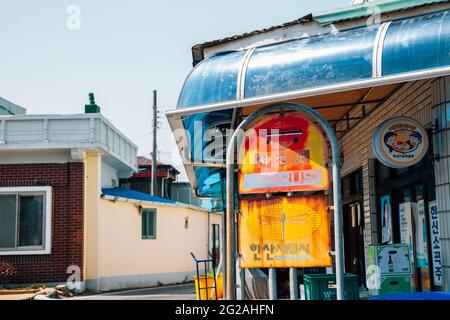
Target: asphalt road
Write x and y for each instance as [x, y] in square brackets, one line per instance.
[175, 292]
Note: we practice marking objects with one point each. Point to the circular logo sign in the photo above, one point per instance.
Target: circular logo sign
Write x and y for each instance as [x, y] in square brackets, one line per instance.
[400, 142]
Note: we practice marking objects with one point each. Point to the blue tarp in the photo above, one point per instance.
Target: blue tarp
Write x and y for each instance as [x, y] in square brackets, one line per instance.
[135, 195]
[435, 295]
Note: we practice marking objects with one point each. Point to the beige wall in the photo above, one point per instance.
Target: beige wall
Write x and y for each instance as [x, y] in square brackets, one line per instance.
[92, 184]
[126, 261]
[116, 256]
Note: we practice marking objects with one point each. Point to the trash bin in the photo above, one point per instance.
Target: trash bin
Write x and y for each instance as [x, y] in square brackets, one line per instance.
[323, 286]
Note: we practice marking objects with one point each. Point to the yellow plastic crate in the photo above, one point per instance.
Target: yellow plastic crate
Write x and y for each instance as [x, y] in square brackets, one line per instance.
[206, 294]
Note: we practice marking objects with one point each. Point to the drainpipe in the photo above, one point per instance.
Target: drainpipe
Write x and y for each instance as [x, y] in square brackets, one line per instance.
[230, 251]
[162, 183]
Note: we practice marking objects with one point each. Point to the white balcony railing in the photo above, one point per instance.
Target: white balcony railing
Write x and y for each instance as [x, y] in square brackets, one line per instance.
[85, 131]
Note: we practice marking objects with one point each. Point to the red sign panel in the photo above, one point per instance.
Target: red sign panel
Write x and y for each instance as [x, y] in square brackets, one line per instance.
[282, 153]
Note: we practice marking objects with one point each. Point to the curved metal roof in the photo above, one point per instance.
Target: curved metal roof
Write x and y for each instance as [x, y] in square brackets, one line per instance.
[397, 50]
[407, 45]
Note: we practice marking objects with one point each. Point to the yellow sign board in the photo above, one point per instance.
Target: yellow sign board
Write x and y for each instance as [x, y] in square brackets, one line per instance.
[284, 232]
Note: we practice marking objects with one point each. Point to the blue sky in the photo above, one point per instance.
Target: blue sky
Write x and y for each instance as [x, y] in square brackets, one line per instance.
[123, 50]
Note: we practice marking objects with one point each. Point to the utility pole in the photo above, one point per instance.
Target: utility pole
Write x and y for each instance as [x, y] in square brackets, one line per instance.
[154, 187]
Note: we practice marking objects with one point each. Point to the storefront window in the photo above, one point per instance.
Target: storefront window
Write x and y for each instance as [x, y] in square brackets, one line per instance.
[410, 191]
[404, 195]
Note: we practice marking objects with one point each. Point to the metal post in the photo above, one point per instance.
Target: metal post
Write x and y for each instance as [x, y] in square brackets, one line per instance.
[293, 283]
[224, 253]
[230, 266]
[230, 283]
[273, 284]
[338, 233]
[154, 185]
[242, 278]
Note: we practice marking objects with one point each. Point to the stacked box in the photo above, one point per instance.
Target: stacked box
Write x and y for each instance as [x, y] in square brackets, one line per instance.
[389, 269]
[323, 286]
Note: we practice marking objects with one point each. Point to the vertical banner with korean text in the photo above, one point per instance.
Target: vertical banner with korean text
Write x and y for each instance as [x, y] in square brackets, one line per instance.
[436, 253]
[284, 232]
[386, 220]
[421, 235]
[406, 234]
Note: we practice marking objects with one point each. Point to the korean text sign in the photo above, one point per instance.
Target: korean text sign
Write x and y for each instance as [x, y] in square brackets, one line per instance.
[284, 232]
[435, 243]
[287, 152]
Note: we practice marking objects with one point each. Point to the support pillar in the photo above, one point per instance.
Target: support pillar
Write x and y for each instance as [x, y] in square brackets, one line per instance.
[273, 294]
[293, 283]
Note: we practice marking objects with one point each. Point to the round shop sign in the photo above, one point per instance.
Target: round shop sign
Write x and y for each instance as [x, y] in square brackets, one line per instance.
[400, 142]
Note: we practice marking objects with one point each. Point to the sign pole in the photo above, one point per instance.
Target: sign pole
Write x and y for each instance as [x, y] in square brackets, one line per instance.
[273, 294]
[242, 288]
[293, 283]
[230, 271]
[230, 266]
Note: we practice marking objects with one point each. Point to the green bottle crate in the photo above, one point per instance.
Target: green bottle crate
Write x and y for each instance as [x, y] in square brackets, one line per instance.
[323, 286]
[395, 284]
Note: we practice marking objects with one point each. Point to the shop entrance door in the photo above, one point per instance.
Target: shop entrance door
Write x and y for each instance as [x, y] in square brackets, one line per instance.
[410, 192]
[419, 195]
[353, 225]
[354, 241]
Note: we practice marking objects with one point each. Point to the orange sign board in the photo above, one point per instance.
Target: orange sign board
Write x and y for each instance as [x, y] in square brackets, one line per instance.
[287, 152]
[284, 232]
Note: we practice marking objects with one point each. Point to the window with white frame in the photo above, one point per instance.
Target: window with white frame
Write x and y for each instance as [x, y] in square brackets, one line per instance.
[25, 220]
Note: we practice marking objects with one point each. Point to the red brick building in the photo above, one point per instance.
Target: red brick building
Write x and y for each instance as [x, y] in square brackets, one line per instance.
[52, 171]
[65, 185]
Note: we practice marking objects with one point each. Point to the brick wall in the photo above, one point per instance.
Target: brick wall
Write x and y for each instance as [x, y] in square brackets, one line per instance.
[413, 100]
[67, 181]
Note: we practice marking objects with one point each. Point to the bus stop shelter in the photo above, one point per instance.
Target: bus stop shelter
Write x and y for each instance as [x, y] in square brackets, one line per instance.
[344, 75]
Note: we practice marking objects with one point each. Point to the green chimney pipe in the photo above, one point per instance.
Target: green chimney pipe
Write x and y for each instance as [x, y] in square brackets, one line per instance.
[91, 107]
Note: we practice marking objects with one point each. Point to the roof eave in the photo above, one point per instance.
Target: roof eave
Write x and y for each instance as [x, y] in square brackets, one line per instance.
[11, 108]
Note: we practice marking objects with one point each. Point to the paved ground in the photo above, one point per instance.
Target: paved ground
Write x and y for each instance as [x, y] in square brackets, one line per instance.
[175, 292]
[24, 296]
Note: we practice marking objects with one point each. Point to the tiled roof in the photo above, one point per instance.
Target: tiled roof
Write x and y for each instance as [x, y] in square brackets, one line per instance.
[143, 161]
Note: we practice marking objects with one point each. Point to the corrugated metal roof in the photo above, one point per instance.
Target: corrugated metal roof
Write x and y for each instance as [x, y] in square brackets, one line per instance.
[368, 9]
[326, 17]
[213, 43]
